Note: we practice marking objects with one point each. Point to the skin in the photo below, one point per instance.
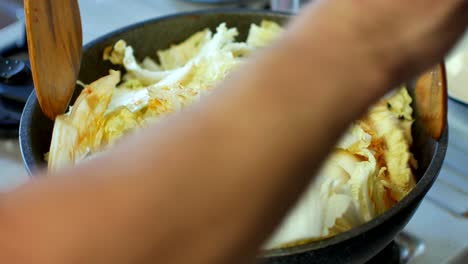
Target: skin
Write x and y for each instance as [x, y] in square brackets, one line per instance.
[210, 184]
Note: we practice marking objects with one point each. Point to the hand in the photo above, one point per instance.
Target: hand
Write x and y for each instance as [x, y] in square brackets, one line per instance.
[400, 38]
[414, 34]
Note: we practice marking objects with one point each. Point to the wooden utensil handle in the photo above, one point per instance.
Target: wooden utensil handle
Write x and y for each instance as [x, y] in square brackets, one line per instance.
[431, 100]
[55, 43]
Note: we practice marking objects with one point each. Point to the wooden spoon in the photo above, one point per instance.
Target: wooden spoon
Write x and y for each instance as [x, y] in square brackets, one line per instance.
[431, 100]
[55, 46]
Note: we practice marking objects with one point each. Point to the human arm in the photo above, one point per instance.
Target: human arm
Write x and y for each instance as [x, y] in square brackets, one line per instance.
[196, 186]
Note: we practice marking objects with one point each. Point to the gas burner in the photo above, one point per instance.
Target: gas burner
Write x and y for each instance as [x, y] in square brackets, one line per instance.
[389, 255]
[402, 250]
[10, 115]
[16, 85]
[15, 77]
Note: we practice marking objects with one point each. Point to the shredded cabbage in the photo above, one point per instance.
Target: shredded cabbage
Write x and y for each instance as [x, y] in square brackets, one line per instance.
[370, 170]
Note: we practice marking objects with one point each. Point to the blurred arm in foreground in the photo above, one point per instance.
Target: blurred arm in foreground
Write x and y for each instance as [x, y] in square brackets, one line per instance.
[207, 185]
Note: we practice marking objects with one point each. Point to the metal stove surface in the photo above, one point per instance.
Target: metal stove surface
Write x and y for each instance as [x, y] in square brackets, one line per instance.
[438, 231]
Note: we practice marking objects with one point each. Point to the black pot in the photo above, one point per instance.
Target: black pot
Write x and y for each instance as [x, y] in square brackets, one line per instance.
[355, 246]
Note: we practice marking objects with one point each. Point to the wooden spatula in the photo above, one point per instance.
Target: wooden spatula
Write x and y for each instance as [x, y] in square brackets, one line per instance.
[55, 46]
[431, 100]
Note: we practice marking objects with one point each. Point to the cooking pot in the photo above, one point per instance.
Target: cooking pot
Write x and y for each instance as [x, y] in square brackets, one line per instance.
[357, 245]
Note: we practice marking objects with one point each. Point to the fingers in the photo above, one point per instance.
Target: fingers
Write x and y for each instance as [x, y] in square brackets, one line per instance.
[463, 11]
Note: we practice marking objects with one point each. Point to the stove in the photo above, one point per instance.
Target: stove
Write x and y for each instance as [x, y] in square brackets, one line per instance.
[438, 231]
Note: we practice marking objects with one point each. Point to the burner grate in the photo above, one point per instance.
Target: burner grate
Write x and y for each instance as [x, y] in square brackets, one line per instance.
[404, 249]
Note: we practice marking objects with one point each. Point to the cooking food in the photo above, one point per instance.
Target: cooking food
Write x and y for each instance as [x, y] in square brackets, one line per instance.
[370, 170]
